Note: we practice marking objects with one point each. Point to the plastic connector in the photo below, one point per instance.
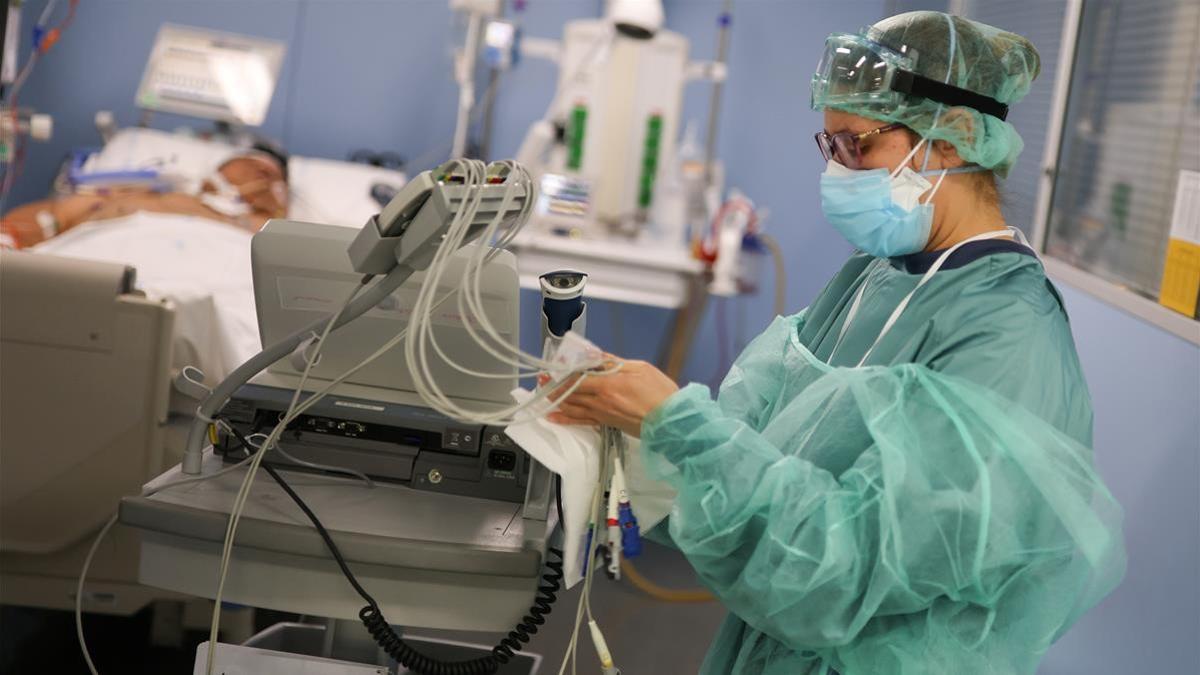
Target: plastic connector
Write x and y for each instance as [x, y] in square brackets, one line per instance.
[614, 551]
[190, 382]
[631, 535]
[613, 543]
[50, 39]
[304, 353]
[606, 660]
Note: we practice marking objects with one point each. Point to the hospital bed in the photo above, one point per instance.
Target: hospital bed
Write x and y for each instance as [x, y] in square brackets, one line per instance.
[95, 325]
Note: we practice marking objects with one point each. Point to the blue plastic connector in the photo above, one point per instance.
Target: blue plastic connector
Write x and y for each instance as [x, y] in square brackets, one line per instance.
[39, 33]
[631, 536]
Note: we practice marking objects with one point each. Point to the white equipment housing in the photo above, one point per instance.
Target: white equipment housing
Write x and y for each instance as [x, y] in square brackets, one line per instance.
[436, 543]
[76, 339]
[300, 276]
[620, 98]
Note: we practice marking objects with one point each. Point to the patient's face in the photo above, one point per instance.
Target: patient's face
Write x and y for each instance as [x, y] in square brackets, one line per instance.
[260, 182]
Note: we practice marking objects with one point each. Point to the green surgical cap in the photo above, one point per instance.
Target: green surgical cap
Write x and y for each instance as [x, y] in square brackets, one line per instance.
[969, 55]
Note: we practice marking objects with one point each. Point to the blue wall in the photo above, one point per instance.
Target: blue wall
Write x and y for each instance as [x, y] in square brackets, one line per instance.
[377, 74]
[1145, 386]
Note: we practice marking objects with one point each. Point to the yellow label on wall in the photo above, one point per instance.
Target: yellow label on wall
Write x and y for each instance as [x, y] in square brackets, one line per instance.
[1181, 277]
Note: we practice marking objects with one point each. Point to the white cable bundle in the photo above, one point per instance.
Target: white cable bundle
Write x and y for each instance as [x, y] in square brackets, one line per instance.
[421, 328]
[611, 444]
[471, 304]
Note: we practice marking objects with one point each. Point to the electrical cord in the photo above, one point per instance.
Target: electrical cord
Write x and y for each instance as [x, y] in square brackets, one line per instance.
[87, 563]
[418, 334]
[610, 446]
[543, 603]
[475, 178]
[91, 554]
[320, 394]
[247, 482]
[327, 468]
[387, 638]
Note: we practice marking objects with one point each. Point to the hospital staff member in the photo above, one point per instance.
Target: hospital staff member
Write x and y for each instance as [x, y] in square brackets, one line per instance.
[899, 479]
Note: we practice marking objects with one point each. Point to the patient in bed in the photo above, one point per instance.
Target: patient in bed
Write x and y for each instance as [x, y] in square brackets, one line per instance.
[245, 190]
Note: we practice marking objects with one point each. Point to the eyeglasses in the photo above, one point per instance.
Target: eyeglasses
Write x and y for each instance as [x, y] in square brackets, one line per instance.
[846, 147]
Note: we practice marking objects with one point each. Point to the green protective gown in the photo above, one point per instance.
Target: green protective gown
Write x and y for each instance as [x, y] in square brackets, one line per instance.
[935, 511]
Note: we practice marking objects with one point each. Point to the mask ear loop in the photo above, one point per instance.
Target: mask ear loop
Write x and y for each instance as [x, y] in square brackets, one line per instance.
[908, 158]
[223, 187]
[936, 185]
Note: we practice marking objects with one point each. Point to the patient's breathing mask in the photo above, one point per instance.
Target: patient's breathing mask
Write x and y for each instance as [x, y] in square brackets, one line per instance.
[218, 194]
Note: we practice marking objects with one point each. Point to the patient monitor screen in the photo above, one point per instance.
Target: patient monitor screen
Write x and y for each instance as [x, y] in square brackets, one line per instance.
[210, 74]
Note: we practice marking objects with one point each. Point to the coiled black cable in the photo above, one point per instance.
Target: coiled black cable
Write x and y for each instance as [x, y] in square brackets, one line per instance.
[410, 658]
[417, 662]
[547, 594]
[395, 646]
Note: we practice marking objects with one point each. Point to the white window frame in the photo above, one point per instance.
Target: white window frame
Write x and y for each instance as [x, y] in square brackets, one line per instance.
[1114, 294]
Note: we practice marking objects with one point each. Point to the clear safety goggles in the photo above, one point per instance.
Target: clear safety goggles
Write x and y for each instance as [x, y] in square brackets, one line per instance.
[855, 70]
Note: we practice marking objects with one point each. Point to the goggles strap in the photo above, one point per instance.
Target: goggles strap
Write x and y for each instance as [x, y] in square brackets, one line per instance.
[907, 82]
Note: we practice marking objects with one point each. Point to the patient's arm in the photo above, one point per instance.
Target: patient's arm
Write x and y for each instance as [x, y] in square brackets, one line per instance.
[31, 223]
[37, 221]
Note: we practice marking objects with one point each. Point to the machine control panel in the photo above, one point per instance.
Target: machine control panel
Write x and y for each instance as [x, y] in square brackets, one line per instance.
[397, 443]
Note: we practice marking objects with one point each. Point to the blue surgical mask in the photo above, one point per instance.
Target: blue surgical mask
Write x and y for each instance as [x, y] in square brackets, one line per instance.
[880, 213]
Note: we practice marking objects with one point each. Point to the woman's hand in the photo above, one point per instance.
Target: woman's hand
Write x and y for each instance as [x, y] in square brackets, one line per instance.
[621, 399]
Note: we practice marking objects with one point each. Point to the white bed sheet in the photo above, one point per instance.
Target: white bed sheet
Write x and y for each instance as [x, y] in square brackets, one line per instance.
[201, 265]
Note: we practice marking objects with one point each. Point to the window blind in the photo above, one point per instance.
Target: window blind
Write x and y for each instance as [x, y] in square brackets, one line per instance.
[1132, 124]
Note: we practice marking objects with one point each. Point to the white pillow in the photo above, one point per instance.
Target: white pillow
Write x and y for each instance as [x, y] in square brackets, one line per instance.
[336, 193]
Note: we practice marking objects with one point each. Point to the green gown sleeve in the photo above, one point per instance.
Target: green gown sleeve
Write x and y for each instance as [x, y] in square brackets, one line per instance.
[879, 513]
